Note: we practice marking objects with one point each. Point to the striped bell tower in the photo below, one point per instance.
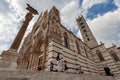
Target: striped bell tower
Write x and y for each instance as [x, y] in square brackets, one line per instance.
[87, 34]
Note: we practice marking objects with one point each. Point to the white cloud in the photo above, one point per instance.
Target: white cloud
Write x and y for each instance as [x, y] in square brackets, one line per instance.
[69, 13]
[117, 2]
[3, 47]
[8, 25]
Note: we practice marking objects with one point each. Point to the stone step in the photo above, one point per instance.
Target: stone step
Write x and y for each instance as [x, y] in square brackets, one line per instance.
[44, 75]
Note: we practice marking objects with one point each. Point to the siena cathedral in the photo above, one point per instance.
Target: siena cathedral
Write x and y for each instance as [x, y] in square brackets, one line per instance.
[49, 39]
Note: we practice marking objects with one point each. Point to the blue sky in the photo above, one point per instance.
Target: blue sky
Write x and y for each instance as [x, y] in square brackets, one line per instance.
[100, 9]
[101, 15]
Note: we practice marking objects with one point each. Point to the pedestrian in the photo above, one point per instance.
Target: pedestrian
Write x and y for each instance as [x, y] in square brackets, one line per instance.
[62, 67]
[51, 66]
[65, 65]
[58, 65]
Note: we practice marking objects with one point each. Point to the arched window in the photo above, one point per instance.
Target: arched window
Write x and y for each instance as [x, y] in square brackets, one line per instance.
[86, 52]
[66, 40]
[114, 55]
[100, 55]
[78, 48]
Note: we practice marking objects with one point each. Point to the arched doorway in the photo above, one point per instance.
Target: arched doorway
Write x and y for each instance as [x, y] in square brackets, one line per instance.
[107, 71]
[40, 63]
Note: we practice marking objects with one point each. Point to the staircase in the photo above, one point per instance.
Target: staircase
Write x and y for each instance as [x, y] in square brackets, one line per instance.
[44, 75]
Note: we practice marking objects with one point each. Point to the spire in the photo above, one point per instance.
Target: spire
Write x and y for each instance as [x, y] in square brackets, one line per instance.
[54, 14]
[87, 35]
[55, 9]
[45, 15]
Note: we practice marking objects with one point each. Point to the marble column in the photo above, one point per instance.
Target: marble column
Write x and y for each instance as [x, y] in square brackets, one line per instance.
[18, 38]
[28, 18]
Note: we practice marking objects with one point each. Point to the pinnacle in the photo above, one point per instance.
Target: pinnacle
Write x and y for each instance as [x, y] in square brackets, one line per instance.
[54, 9]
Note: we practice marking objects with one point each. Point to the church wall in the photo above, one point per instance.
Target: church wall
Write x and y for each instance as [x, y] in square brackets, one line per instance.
[82, 51]
[72, 42]
[24, 53]
[108, 61]
[117, 52]
[60, 49]
[73, 59]
[91, 65]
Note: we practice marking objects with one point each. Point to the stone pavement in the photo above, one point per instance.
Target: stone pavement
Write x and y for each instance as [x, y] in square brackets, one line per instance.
[43, 75]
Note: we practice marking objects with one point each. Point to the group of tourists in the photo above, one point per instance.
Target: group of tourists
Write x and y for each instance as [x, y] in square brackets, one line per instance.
[61, 65]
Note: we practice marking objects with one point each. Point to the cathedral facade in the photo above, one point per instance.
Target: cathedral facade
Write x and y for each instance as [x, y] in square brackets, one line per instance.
[49, 39]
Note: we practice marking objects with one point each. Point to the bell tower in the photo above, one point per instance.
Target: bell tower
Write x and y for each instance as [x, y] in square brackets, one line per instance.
[87, 35]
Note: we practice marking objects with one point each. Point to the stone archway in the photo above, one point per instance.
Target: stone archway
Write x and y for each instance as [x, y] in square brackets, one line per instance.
[107, 71]
[40, 62]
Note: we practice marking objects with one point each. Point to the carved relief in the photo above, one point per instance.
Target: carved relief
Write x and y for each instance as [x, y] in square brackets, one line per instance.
[44, 26]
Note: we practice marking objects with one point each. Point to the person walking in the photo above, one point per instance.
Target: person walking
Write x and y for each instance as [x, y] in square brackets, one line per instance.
[62, 64]
[65, 66]
[58, 65]
[51, 66]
